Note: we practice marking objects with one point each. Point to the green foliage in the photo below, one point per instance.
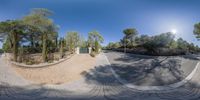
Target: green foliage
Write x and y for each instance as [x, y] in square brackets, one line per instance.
[15, 31]
[7, 46]
[72, 40]
[61, 43]
[129, 38]
[163, 40]
[113, 45]
[129, 32]
[197, 30]
[96, 46]
[1, 50]
[182, 44]
[173, 44]
[41, 28]
[35, 32]
[191, 47]
[153, 43]
[93, 54]
[83, 43]
[94, 40]
[142, 39]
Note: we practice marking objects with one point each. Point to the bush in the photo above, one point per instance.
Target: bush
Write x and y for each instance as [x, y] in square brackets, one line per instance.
[93, 54]
[30, 62]
[1, 50]
[50, 61]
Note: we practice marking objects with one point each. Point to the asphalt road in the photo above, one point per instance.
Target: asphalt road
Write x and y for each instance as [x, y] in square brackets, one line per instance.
[150, 70]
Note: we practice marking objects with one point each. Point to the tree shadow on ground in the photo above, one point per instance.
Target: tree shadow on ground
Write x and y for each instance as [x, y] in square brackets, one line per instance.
[106, 88]
[160, 70]
[189, 91]
[102, 77]
[8, 92]
[138, 74]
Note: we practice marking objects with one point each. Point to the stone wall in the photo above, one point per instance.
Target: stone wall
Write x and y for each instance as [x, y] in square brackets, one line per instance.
[35, 58]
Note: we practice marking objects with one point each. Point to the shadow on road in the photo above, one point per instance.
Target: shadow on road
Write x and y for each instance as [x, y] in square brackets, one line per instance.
[106, 87]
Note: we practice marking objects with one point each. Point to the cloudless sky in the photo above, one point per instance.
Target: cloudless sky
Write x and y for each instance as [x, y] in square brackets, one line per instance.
[110, 17]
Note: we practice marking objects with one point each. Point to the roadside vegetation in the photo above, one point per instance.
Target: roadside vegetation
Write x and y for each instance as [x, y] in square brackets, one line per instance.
[34, 39]
[1, 51]
[162, 44]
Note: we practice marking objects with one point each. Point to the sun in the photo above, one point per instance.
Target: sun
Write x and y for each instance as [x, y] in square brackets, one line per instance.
[174, 31]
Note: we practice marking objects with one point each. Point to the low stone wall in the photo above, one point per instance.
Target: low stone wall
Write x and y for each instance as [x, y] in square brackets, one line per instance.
[41, 64]
[37, 58]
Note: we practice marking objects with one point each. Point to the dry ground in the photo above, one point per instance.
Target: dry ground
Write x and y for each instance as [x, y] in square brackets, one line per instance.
[67, 71]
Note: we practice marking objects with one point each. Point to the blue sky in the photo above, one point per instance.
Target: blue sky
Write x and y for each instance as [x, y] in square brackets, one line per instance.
[110, 17]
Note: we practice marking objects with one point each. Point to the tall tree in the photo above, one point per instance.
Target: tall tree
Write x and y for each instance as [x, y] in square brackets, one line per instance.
[14, 30]
[61, 43]
[94, 40]
[82, 42]
[129, 37]
[38, 18]
[182, 44]
[113, 45]
[197, 30]
[72, 40]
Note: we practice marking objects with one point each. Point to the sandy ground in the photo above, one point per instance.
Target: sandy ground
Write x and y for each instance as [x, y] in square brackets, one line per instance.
[67, 71]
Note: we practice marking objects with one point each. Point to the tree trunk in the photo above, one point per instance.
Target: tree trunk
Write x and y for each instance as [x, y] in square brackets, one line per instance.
[32, 42]
[15, 46]
[71, 45]
[61, 49]
[56, 40]
[96, 46]
[44, 47]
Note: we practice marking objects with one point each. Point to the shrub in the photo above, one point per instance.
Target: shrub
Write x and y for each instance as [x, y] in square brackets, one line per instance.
[1, 50]
[93, 54]
[30, 62]
[50, 61]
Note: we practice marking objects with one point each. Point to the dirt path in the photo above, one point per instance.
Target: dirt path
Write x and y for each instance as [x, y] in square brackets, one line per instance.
[67, 71]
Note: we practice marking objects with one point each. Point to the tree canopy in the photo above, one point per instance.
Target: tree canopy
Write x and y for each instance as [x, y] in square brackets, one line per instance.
[94, 40]
[197, 30]
[153, 44]
[72, 40]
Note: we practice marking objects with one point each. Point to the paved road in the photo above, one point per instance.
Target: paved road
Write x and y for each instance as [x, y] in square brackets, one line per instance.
[150, 70]
[97, 84]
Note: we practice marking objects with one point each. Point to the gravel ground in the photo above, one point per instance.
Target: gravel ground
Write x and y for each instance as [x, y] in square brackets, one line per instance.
[67, 71]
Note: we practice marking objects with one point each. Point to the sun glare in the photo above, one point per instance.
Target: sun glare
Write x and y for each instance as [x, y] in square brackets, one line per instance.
[174, 31]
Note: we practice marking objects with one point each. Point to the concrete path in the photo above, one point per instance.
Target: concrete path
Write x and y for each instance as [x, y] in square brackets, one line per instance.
[97, 84]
